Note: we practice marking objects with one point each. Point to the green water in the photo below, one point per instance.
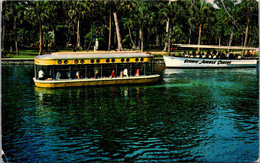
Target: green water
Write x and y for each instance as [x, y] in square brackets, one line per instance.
[191, 115]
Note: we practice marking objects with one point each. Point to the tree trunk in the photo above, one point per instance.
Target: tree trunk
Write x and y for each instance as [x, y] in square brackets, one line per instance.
[142, 39]
[246, 35]
[119, 43]
[190, 36]
[130, 35]
[157, 40]
[162, 40]
[46, 44]
[167, 30]
[15, 38]
[78, 36]
[231, 37]
[199, 38]
[110, 26]
[68, 35]
[169, 40]
[167, 33]
[3, 38]
[41, 38]
[219, 41]
[91, 28]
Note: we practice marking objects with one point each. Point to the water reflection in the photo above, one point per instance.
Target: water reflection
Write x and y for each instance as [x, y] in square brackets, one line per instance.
[126, 119]
[192, 115]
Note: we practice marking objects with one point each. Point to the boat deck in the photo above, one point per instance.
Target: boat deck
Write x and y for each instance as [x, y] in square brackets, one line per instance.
[98, 81]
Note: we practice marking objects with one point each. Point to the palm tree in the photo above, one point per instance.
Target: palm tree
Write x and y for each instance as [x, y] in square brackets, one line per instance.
[41, 12]
[76, 13]
[116, 6]
[202, 13]
[246, 11]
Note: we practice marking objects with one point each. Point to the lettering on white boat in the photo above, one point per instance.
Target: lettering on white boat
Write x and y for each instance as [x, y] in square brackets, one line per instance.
[190, 61]
[224, 62]
[207, 62]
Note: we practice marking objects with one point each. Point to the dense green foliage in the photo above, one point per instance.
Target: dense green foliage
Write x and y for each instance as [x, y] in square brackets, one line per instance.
[53, 25]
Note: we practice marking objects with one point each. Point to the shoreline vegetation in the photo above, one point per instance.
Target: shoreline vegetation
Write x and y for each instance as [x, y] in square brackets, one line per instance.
[43, 26]
[156, 52]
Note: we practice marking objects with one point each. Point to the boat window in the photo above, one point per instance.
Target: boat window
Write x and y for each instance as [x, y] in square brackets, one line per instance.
[107, 69]
[60, 72]
[136, 59]
[66, 62]
[122, 60]
[127, 59]
[149, 67]
[78, 69]
[92, 60]
[113, 60]
[44, 69]
[98, 60]
[122, 66]
[93, 71]
[136, 66]
[76, 61]
[107, 60]
[59, 61]
[82, 61]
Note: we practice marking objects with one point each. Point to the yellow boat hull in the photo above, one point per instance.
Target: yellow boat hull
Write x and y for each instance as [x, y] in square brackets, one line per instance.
[95, 82]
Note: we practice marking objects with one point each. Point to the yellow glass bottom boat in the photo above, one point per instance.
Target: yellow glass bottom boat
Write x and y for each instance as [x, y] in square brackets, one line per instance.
[77, 69]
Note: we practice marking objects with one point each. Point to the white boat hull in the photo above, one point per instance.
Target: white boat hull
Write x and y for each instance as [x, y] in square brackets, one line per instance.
[182, 62]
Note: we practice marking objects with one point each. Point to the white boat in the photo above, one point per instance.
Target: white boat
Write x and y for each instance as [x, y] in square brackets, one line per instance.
[197, 62]
[182, 62]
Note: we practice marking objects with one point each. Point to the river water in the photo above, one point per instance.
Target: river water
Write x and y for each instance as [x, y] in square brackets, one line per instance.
[190, 115]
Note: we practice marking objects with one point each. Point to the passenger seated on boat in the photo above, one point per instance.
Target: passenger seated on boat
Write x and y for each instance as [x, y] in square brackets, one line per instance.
[113, 75]
[239, 57]
[187, 55]
[78, 74]
[251, 56]
[121, 74]
[137, 72]
[215, 56]
[209, 56]
[203, 55]
[68, 75]
[227, 54]
[193, 54]
[183, 54]
[41, 75]
[58, 75]
[96, 75]
[247, 54]
[126, 72]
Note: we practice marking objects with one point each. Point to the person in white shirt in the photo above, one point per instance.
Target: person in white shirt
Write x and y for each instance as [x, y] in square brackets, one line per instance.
[125, 72]
[78, 74]
[41, 75]
[58, 75]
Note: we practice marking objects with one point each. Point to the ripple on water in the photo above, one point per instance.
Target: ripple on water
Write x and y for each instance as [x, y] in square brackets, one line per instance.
[192, 115]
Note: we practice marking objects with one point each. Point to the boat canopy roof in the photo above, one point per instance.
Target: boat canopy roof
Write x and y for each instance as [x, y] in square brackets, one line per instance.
[80, 55]
[215, 47]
